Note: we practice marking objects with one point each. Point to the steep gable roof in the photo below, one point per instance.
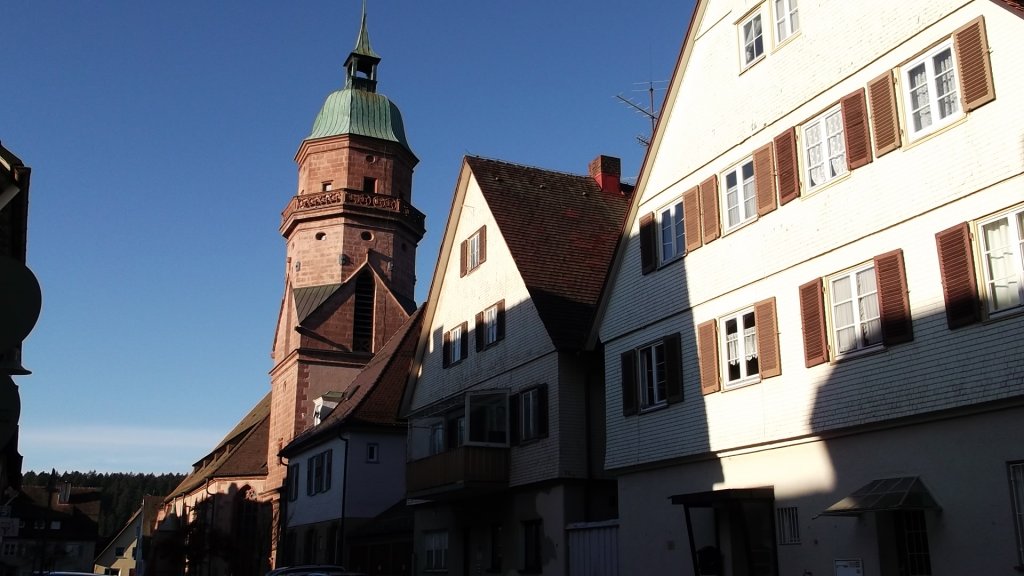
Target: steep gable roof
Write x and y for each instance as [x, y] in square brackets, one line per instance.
[562, 231]
[243, 452]
[1015, 6]
[375, 395]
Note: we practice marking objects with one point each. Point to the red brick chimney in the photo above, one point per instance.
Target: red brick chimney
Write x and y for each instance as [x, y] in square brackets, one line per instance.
[605, 170]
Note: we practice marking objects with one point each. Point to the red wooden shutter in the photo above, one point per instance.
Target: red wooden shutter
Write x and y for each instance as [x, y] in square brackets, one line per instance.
[629, 383]
[463, 257]
[974, 66]
[709, 209]
[483, 245]
[481, 331]
[673, 369]
[768, 358]
[691, 219]
[764, 179]
[812, 316]
[464, 341]
[648, 244]
[446, 349]
[855, 129]
[893, 302]
[786, 166]
[884, 116]
[707, 354]
[959, 284]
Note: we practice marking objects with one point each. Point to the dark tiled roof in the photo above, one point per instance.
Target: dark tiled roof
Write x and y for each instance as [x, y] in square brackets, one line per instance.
[243, 452]
[79, 517]
[375, 395]
[1015, 6]
[562, 231]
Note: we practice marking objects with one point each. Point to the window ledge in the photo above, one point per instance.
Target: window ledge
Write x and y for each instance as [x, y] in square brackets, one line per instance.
[666, 263]
[847, 356]
[652, 408]
[738, 227]
[914, 140]
[809, 192]
[781, 45]
[741, 384]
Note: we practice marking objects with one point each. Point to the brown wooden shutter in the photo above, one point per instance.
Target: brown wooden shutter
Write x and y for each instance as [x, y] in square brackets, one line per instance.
[501, 319]
[514, 403]
[463, 257]
[707, 355]
[855, 129]
[481, 331]
[959, 283]
[446, 350]
[629, 406]
[483, 245]
[812, 317]
[885, 122]
[768, 358]
[709, 209]
[974, 66]
[464, 341]
[787, 167]
[673, 368]
[691, 219]
[542, 411]
[893, 301]
[764, 179]
[648, 244]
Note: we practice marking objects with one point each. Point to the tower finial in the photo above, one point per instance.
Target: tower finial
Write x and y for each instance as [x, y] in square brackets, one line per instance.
[363, 41]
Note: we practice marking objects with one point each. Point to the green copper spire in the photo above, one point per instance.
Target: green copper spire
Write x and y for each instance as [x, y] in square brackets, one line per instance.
[363, 41]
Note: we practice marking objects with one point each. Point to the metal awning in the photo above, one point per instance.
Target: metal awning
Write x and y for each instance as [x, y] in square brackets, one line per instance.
[718, 497]
[889, 494]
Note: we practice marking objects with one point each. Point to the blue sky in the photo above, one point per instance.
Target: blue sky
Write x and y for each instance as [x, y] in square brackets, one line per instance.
[162, 135]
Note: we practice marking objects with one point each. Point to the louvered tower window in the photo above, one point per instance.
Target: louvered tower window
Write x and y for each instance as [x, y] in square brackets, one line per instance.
[362, 327]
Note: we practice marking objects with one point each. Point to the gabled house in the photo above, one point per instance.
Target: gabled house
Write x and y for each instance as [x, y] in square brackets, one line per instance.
[213, 523]
[505, 404]
[349, 468]
[125, 553]
[812, 330]
[56, 530]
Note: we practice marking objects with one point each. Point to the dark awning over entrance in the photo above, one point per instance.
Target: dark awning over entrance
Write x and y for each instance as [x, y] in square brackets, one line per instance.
[889, 494]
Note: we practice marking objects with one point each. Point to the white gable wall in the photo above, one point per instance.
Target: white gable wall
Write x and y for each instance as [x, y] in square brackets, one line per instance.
[899, 201]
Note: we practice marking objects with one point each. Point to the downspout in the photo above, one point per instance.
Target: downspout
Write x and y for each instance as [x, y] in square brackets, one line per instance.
[588, 447]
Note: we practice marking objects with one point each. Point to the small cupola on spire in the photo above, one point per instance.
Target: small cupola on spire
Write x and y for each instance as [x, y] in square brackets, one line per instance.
[362, 61]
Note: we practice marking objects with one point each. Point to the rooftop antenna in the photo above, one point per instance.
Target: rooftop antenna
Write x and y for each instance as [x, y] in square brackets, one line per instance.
[649, 111]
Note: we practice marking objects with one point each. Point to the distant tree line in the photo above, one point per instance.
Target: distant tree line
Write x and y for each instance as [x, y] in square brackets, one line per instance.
[121, 492]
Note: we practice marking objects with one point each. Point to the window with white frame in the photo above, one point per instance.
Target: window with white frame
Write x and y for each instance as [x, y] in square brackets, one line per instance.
[787, 19]
[435, 550]
[491, 324]
[930, 91]
[1016, 470]
[739, 194]
[751, 39]
[854, 312]
[436, 438]
[318, 473]
[651, 365]
[670, 226]
[473, 259]
[455, 348]
[739, 348]
[824, 148]
[1001, 240]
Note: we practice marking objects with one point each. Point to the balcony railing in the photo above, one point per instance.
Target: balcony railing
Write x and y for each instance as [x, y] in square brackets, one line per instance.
[346, 198]
[467, 468]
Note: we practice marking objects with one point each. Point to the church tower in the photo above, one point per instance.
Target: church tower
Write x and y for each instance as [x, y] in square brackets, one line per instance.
[351, 234]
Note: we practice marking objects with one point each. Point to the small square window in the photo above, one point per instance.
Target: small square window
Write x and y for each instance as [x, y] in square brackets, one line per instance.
[787, 19]
[369, 185]
[740, 363]
[739, 194]
[824, 148]
[670, 226]
[751, 39]
[119, 551]
[326, 186]
[931, 91]
[854, 311]
[373, 452]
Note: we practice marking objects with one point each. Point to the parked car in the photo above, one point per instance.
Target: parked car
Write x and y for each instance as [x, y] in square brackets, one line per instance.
[314, 570]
